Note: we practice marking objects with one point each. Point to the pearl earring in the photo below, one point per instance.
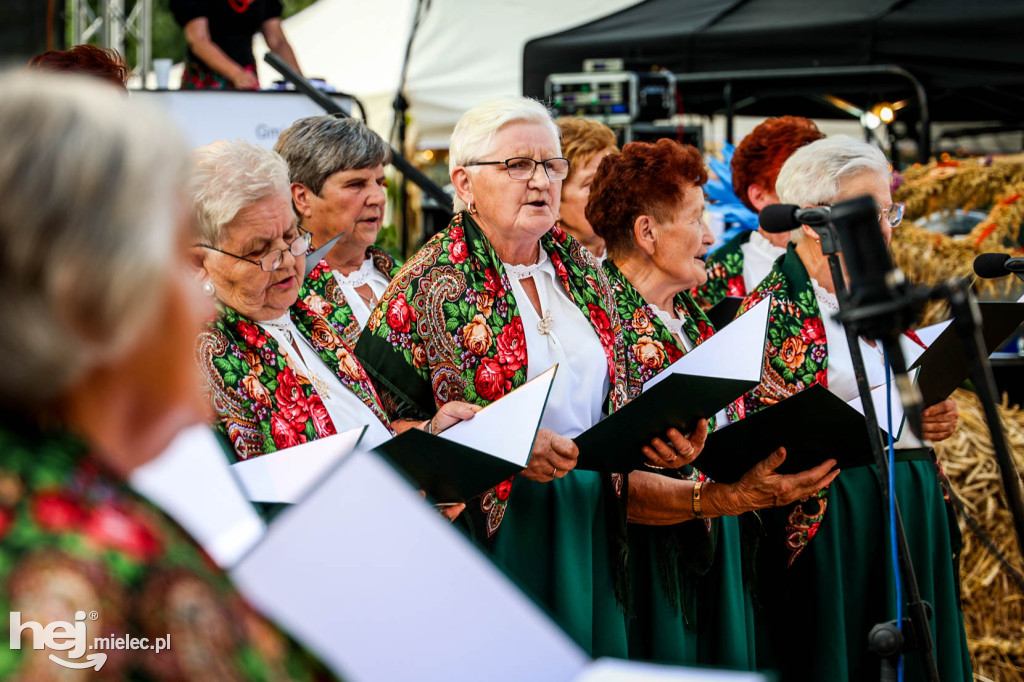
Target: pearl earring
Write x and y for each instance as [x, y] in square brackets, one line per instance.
[208, 288]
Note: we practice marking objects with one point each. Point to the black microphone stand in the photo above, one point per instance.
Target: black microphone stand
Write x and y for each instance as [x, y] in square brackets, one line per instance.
[885, 639]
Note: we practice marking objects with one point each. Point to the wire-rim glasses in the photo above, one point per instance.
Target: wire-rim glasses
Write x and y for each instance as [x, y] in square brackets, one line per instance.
[523, 167]
[272, 259]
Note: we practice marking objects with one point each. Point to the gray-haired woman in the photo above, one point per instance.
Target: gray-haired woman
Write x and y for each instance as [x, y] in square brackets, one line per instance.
[279, 374]
[498, 297]
[336, 167]
[97, 317]
[824, 570]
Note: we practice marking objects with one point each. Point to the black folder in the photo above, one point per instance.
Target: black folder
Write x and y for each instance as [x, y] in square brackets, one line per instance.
[945, 364]
[448, 471]
[452, 472]
[681, 396]
[814, 425]
[679, 401]
[723, 312]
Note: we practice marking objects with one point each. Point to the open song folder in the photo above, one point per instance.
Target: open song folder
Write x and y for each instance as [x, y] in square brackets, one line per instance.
[381, 587]
[945, 364]
[473, 456]
[285, 476]
[696, 386]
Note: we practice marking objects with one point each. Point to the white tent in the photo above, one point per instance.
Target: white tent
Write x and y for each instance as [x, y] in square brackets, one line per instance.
[466, 51]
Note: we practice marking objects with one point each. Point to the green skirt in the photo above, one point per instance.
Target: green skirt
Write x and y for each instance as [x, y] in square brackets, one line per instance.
[817, 614]
[556, 542]
[708, 618]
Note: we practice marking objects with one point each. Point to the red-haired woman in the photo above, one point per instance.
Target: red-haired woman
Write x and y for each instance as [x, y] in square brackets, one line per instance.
[90, 60]
[647, 203]
[742, 262]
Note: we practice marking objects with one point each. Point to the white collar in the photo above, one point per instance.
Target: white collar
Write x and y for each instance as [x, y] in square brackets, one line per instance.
[525, 271]
[674, 324]
[356, 278]
[759, 243]
[826, 299]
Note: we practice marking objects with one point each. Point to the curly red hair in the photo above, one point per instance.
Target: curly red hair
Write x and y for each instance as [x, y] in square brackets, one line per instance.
[760, 155]
[91, 60]
[643, 179]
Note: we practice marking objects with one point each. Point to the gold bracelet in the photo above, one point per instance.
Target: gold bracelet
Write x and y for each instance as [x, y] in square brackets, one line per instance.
[696, 498]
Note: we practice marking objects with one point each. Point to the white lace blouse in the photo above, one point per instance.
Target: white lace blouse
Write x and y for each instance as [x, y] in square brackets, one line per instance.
[563, 336]
[366, 274]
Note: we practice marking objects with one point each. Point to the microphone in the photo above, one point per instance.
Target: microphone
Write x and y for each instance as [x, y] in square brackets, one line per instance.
[785, 217]
[881, 302]
[992, 265]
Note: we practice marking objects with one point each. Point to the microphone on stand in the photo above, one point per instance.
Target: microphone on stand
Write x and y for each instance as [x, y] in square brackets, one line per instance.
[882, 304]
[992, 265]
[785, 217]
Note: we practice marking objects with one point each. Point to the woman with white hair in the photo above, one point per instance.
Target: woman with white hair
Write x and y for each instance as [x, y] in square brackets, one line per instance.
[336, 167]
[498, 297]
[97, 317]
[824, 574]
[279, 374]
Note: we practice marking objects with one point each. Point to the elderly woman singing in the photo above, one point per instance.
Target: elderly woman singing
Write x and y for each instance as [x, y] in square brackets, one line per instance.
[824, 572]
[98, 315]
[279, 373]
[498, 297]
[336, 166]
[647, 204]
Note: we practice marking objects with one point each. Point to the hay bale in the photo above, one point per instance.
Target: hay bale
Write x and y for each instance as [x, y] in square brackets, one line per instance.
[991, 565]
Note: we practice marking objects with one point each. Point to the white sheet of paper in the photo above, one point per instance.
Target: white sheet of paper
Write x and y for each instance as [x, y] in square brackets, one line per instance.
[911, 350]
[736, 352]
[617, 670]
[516, 416]
[287, 475]
[378, 585]
[191, 480]
[878, 398]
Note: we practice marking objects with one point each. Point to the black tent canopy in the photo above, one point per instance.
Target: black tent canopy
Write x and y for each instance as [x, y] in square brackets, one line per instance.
[969, 57]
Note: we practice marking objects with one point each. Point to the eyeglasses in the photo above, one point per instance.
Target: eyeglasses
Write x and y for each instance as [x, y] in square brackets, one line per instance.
[523, 168]
[893, 215]
[272, 260]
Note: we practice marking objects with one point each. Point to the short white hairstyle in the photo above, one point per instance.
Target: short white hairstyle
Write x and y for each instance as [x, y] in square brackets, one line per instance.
[814, 174]
[473, 137]
[230, 176]
[93, 190]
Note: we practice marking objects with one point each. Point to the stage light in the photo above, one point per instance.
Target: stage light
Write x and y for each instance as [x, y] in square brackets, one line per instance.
[870, 120]
[886, 113]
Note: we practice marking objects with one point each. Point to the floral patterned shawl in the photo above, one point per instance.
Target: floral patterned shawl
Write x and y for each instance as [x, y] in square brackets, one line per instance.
[448, 328]
[321, 294]
[725, 273]
[75, 537]
[262, 404]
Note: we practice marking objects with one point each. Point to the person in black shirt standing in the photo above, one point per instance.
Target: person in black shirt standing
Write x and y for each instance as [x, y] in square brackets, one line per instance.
[219, 35]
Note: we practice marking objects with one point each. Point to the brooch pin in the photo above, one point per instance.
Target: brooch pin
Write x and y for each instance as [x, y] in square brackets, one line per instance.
[546, 323]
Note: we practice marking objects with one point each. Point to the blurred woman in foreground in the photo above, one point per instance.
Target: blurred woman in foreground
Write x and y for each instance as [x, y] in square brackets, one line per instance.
[97, 314]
